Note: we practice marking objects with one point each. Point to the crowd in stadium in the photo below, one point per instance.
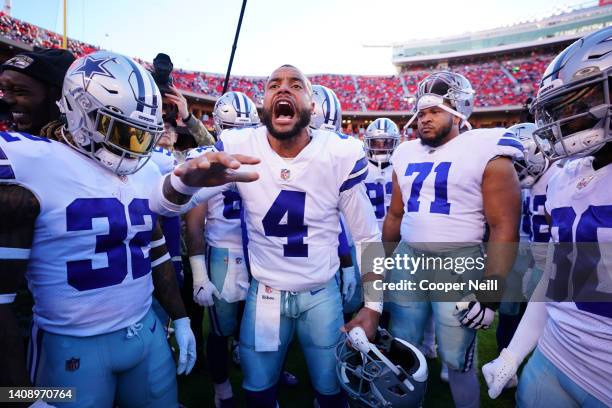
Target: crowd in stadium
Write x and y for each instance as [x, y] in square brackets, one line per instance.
[499, 82]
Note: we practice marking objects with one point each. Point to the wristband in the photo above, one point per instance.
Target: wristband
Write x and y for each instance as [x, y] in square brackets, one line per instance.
[492, 298]
[181, 187]
[375, 306]
[198, 269]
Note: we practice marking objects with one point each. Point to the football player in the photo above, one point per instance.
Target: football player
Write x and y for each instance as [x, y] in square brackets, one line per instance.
[218, 264]
[31, 83]
[291, 208]
[446, 184]
[573, 338]
[534, 172]
[75, 216]
[380, 140]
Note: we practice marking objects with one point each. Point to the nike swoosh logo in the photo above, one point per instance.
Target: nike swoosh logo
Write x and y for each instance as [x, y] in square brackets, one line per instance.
[154, 326]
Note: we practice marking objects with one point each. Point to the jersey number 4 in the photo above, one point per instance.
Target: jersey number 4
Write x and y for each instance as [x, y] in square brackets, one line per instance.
[79, 217]
[292, 204]
[440, 205]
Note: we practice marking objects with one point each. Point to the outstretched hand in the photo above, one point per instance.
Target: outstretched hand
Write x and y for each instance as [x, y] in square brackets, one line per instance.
[215, 169]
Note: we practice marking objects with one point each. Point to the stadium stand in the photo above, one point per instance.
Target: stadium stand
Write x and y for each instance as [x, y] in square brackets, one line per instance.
[498, 82]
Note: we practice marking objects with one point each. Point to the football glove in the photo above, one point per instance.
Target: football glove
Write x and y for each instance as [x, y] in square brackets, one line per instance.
[474, 314]
[203, 288]
[187, 345]
[349, 283]
[498, 372]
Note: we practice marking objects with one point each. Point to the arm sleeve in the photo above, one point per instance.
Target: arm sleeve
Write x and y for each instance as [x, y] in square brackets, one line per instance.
[534, 320]
[360, 219]
[160, 205]
[199, 132]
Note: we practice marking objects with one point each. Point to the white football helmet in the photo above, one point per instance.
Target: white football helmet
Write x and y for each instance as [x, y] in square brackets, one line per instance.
[113, 110]
[327, 113]
[234, 110]
[534, 163]
[449, 87]
[572, 107]
[381, 138]
[387, 373]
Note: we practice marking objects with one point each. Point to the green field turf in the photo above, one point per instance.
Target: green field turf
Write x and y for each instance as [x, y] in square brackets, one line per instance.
[196, 390]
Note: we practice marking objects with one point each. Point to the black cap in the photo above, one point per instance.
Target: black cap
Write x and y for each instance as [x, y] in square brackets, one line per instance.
[48, 65]
[163, 60]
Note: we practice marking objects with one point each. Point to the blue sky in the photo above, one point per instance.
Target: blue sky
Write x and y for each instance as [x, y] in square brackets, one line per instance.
[315, 35]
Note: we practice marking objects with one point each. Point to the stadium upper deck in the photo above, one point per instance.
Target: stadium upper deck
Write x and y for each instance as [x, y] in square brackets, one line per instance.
[560, 27]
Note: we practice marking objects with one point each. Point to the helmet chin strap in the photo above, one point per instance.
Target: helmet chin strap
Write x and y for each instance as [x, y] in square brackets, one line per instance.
[448, 109]
[360, 341]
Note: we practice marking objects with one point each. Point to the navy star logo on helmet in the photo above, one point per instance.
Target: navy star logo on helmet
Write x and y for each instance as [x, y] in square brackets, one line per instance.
[91, 67]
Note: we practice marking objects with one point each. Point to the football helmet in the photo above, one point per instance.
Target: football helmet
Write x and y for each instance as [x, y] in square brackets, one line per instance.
[234, 110]
[572, 106]
[327, 113]
[381, 138]
[534, 163]
[113, 110]
[387, 373]
[449, 87]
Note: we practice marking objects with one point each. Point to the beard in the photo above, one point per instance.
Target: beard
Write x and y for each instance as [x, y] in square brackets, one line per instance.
[440, 135]
[302, 123]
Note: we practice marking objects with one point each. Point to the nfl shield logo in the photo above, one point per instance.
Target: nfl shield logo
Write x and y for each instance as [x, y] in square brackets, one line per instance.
[238, 261]
[268, 289]
[285, 174]
[73, 364]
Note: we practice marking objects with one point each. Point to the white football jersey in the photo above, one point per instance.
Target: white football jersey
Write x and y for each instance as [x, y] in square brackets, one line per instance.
[223, 226]
[578, 335]
[164, 159]
[379, 186]
[442, 186]
[540, 231]
[89, 269]
[292, 210]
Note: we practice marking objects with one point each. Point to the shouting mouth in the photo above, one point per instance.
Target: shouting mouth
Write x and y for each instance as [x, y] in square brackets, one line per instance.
[284, 112]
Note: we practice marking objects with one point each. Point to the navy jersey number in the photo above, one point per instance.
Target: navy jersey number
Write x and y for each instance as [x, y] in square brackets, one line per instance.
[538, 221]
[231, 205]
[376, 192]
[440, 205]
[79, 216]
[291, 203]
[584, 267]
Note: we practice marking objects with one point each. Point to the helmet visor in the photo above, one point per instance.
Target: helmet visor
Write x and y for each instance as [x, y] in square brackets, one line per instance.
[381, 145]
[572, 104]
[125, 136]
[580, 108]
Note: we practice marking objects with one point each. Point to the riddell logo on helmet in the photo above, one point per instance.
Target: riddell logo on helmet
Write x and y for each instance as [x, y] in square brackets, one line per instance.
[146, 119]
[553, 85]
